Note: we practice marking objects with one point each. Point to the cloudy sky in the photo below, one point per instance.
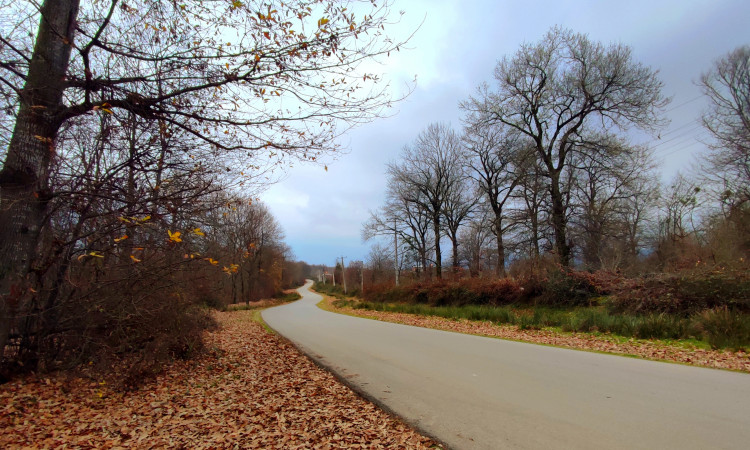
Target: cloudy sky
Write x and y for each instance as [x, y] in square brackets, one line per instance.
[455, 49]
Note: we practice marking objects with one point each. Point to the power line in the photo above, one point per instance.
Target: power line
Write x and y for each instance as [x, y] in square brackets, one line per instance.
[680, 148]
[684, 103]
[690, 133]
[674, 130]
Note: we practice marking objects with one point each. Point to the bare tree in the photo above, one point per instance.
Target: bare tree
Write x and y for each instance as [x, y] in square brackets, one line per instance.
[430, 172]
[637, 214]
[559, 90]
[677, 216]
[497, 160]
[407, 219]
[476, 241]
[607, 172]
[727, 86]
[247, 234]
[380, 263]
[460, 203]
[529, 211]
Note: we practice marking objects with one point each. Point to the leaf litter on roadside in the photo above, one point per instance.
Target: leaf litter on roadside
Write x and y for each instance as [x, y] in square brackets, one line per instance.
[250, 390]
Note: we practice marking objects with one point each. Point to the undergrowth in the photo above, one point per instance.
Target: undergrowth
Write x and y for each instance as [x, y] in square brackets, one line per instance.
[719, 328]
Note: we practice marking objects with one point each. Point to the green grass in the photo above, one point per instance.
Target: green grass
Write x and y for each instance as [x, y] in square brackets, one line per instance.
[290, 297]
[259, 319]
[335, 291]
[718, 328]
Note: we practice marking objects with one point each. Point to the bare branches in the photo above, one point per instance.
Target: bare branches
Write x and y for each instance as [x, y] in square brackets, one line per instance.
[727, 86]
[560, 90]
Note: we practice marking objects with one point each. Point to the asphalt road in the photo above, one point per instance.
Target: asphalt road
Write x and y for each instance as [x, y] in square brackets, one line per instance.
[481, 393]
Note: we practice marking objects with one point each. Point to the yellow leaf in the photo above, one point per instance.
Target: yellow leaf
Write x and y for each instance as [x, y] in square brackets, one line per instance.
[135, 259]
[322, 22]
[123, 219]
[326, 168]
[212, 261]
[174, 237]
[233, 268]
[199, 232]
[236, 4]
[96, 254]
[108, 111]
[121, 238]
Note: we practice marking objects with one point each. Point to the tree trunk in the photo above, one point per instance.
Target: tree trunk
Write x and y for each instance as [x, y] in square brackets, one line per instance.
[559, 220]
[593, 246]
[535, 233]
[498, 229]
[438, 253]
[24, 179]
[454, 251]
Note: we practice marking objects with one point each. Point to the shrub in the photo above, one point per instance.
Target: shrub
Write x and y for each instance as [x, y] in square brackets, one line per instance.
[442, 293]
[722, 328]
[334, 291]
[119, 322]
[566, 287]
[684, 293]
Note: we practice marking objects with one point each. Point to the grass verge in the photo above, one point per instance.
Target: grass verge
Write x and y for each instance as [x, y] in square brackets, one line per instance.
[685, 351]
[718, 328]
[263, 304]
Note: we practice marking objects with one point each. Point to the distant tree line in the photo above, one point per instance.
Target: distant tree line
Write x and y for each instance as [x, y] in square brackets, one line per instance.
[543, 171]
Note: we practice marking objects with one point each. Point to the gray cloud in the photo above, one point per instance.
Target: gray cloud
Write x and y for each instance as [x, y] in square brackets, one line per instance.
[457, 48]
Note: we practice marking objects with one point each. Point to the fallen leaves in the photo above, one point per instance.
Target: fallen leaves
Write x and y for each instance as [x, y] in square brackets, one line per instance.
[583, 341]
[252, 390]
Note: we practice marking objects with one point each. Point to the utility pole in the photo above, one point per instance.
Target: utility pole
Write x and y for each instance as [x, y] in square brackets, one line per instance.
[343, 273]
[395, 248]
[333, 275]
[361, 279]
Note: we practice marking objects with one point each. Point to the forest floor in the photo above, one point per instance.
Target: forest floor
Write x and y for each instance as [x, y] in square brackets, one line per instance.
[671, 351]
[250, 389]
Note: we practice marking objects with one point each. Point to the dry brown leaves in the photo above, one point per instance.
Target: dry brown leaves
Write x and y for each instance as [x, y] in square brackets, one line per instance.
[660, 351]
[252, 390]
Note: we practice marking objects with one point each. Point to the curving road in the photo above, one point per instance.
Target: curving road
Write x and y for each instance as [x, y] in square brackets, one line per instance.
[480, 393]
